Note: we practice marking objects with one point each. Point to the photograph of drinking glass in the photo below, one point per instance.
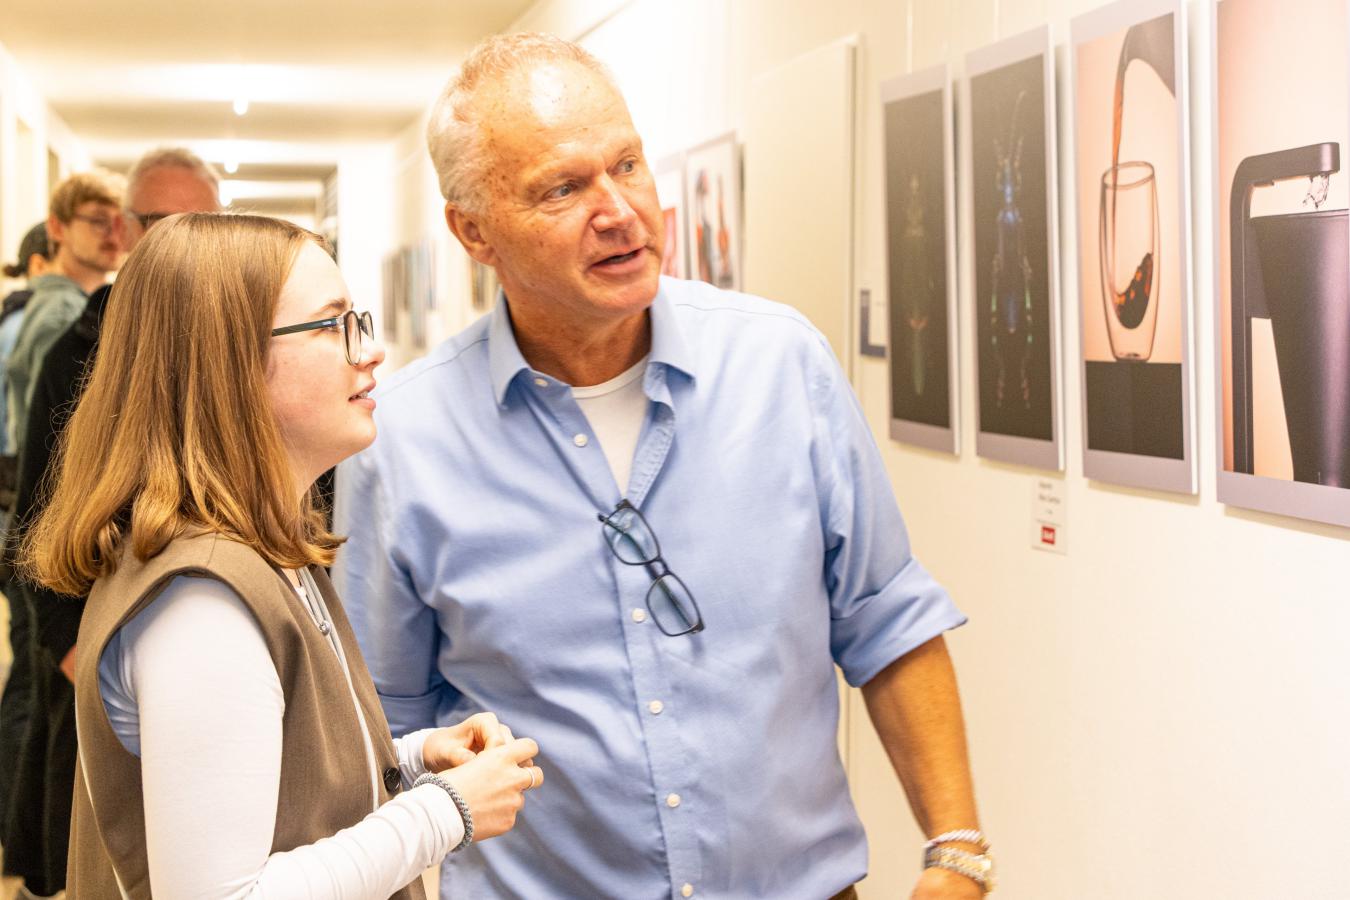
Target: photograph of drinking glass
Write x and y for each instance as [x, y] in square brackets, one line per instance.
[1133, 274]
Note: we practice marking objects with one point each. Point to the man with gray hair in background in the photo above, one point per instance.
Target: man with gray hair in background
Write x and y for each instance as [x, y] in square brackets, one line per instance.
[162, 183]
[503, 550]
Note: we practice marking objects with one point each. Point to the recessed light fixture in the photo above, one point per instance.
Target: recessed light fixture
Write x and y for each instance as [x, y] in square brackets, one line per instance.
[240, 106]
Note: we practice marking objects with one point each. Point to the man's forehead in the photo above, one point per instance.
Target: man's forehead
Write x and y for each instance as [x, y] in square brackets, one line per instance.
[172, 189]
[552, 94]
[553, 112]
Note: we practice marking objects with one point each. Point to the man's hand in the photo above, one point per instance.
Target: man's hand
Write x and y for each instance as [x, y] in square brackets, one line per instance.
[446, 748]
[941, 884]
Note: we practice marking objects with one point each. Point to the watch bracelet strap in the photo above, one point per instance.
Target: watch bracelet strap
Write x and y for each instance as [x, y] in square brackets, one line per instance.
[962, 862]
[968, 872]
[445, 785]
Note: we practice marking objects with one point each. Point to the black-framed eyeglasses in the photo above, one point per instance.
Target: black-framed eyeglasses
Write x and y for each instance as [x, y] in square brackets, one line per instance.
[145, 220]
[632, 540]
[354, 326]
[102, 224]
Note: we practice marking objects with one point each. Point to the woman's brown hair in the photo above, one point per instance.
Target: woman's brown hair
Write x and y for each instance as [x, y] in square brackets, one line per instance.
[174, 431]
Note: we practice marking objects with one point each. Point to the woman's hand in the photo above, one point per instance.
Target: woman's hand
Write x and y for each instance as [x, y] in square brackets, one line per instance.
[446, 748]
[493, 784]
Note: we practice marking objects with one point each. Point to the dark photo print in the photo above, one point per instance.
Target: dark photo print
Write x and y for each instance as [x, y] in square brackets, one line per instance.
[1012, 260]
[916, 232]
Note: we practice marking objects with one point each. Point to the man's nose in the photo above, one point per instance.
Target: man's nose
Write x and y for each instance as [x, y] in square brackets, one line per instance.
[612, 208]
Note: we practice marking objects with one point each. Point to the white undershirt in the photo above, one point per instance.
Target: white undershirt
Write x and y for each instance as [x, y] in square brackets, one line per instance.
[616, 410]
[191, 689]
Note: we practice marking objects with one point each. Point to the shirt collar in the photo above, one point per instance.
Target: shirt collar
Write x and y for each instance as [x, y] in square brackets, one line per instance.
[668, 344]
[505, 360]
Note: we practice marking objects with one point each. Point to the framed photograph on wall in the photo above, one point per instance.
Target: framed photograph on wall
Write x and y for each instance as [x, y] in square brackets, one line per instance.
[669, 175]
[417, 301]
[401, 280]
[1282, 344]
[389, 298]
[1135, 314]
[921, 259]
[429, 263]
[712, 190]
[482, 285]
[1010, 145]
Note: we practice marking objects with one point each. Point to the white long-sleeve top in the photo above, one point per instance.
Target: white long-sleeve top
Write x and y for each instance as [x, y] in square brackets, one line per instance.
[191, 689]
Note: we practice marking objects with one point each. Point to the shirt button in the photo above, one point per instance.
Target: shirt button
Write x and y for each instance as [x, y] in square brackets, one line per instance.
[393, 780]
[672, 800]
[541, 382]
[687, 890]
[655, 707]
[639, 616]
[581, 440]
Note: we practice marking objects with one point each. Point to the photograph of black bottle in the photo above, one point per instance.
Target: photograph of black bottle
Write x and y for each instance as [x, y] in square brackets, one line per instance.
[1291, 269]
[1283, 317]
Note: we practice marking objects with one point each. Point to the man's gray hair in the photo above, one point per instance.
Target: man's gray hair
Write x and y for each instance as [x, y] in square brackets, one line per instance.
[175, 157]
[454, 137]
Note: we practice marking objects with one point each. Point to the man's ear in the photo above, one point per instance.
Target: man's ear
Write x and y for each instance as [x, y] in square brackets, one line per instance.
[56, 231]
[465, 228]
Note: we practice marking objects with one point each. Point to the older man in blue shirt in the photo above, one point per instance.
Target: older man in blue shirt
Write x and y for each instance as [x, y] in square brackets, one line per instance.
[641, 519]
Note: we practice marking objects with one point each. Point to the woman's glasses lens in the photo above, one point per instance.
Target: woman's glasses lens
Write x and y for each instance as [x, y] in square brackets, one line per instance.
[354, 326]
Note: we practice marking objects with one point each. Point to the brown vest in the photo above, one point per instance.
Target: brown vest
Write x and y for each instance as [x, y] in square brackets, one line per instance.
[325, 779]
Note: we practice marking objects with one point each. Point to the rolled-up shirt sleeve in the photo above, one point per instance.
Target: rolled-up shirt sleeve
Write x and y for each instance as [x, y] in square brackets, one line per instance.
[883, 603]
[396, 630]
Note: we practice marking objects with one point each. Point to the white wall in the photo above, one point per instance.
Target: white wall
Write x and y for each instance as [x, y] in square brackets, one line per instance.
[1161, 712]
[418, 216]
[28, 128]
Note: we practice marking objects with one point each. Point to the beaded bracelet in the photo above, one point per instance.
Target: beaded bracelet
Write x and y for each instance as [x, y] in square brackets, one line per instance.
[964, 835]
[445, 785]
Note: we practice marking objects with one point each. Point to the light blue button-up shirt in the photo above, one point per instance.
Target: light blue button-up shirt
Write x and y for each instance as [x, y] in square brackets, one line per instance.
[477, 577]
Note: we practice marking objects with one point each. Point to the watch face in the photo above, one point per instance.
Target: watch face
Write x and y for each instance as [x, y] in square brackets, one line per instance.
[987, 867]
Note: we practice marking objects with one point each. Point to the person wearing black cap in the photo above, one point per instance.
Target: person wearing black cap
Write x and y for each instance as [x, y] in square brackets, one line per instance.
[16, 702]
[35, 253]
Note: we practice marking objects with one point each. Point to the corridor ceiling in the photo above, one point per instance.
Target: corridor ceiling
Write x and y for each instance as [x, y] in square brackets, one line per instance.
[126, 76]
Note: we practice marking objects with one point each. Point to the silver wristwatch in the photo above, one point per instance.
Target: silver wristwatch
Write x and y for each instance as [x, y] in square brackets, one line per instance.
[978, 867]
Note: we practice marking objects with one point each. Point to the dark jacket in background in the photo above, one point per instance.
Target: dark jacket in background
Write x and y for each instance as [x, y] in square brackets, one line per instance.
[16, 702]
[36, 830]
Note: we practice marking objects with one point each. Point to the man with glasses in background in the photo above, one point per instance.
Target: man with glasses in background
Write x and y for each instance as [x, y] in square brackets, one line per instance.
[503, 550]
[162, 183]
[84, 223]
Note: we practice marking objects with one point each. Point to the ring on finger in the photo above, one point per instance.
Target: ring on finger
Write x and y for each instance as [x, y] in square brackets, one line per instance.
[533, 777]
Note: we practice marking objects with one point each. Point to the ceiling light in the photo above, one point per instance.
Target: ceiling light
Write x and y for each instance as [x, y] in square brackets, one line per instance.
[240, 106]
[231, 166]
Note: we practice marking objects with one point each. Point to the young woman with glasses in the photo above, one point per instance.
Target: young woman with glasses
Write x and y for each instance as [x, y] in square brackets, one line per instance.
[231, 740]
